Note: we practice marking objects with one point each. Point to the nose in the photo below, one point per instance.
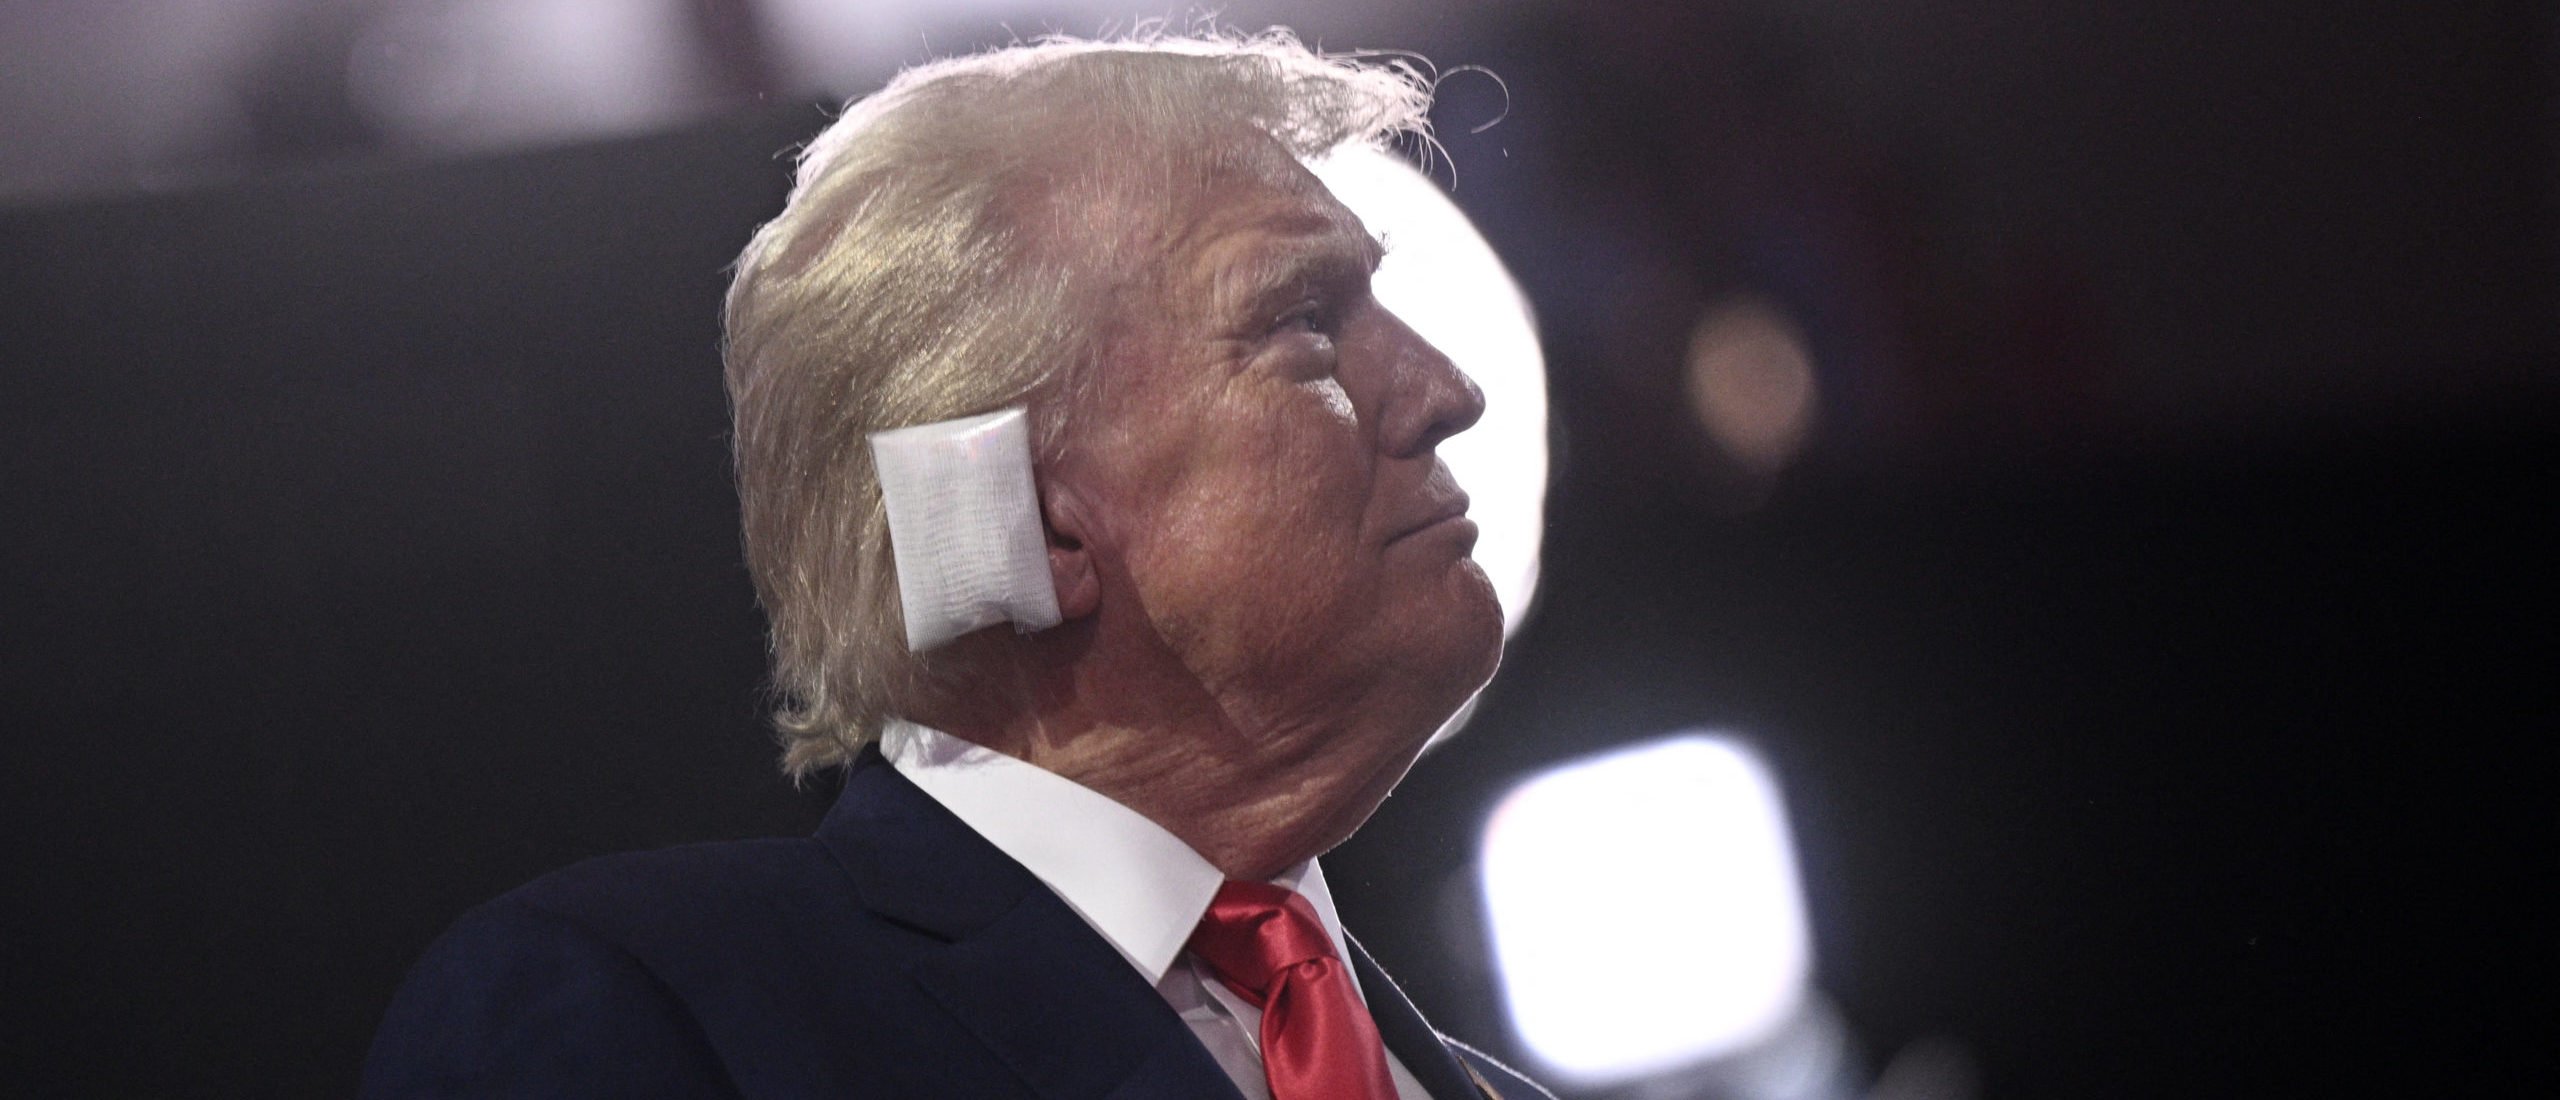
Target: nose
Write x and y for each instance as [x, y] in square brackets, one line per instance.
[1431, 399]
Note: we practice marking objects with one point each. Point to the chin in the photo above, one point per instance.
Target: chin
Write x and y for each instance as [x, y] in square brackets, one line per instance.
[1468, 641]
[1485, 625]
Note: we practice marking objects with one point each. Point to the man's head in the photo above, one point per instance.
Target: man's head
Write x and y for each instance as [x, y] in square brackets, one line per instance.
[1233, 440]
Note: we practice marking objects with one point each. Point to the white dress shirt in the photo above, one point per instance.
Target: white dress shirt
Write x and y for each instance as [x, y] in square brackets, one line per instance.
[1139, 886]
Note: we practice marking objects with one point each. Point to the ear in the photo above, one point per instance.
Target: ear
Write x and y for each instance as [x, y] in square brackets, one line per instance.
[1071, 565]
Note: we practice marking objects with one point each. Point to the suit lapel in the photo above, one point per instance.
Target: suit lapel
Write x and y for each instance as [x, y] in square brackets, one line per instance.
[1046, 995]
[1405, 1032]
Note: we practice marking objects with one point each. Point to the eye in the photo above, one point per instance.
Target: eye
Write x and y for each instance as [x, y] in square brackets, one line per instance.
[1300, 344]
[1310, 317]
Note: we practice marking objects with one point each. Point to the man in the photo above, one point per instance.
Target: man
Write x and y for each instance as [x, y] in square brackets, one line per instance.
[1065, 862]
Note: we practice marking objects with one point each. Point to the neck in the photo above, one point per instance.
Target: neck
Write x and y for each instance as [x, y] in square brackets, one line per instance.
[1253, 801]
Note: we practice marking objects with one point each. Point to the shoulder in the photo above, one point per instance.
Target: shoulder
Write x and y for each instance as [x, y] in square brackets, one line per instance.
[624, 975]
[681, 914]
[677, 891]
[515, 1000]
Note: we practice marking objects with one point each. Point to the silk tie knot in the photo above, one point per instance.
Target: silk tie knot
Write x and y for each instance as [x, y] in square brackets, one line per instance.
[1254, 931]
[1318, 1043]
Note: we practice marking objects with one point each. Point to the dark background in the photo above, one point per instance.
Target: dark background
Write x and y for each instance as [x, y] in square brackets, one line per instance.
[2144, 641]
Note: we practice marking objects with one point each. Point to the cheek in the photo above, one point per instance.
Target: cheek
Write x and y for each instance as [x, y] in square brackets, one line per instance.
[1264, 481]
[1259, 545]
[1335, 401]
[1312, 449]
[1274, 497]
[1288, 466]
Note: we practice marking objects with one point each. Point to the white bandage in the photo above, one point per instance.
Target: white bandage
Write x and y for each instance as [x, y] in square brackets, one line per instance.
[964, 524]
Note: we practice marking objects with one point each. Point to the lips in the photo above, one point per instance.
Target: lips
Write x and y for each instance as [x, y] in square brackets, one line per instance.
[1452, 508]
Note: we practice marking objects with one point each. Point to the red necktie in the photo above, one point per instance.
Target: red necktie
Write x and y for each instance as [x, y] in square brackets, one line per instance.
[1318, 1043]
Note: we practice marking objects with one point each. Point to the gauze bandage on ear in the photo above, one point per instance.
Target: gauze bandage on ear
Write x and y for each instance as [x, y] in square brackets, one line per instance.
[964, 524]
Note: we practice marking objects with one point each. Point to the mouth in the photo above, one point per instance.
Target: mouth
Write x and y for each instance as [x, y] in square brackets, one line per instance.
[1450, 515]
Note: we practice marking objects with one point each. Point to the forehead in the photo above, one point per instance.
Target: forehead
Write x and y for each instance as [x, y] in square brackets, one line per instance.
[1259, 220]
[1228, 235]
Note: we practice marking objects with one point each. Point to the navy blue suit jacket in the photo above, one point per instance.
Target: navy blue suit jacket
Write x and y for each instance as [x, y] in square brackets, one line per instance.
[894, 954]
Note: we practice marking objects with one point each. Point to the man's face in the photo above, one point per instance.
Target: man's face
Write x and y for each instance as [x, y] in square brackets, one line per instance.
[1263, 463]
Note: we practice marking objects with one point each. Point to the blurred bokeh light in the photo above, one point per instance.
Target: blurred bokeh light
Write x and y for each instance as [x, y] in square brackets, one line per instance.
[1751, 383]
[1645, 910]
[478, 73]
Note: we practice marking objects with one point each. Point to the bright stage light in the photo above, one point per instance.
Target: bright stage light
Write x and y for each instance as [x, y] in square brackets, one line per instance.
[1443, 279]
[1645, 910]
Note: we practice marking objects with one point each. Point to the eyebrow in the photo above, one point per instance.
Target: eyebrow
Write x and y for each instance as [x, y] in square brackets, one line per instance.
[1312, 253]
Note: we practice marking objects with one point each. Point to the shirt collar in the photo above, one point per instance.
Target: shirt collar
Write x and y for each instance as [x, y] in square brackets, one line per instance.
[1138, 885]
